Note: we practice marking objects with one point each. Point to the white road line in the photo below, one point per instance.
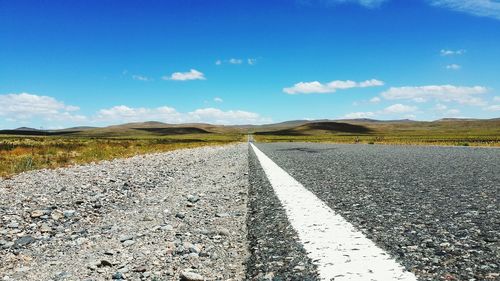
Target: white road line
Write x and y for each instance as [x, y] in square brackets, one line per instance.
[339, 250]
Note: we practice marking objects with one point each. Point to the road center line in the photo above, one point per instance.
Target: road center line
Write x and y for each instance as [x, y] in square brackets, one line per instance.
[339, 250]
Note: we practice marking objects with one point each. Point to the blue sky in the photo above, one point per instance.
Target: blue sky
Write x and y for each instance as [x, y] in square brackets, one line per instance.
[67, 63]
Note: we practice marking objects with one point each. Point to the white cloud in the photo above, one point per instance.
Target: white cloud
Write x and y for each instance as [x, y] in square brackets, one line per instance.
[193, 74]
[452, 112]
[217, 116]
[375, 100]
[141, 78]
[122, 113]
[358, 115]
[482, 8]
[217, 99]
[496, 98]
[495, 107]
[316, 87]
[25, 106]
[395, 109]
[443, 93]
[447, 52]
[398, 109]
[249, 61]
[443, 110]
[365, 3]
[453, 66]
[235, 61]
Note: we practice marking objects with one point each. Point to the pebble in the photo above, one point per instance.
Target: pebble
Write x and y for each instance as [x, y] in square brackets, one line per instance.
[193, 198]
[191, 276]
[69, 213]
[37, 213]
[117, 275]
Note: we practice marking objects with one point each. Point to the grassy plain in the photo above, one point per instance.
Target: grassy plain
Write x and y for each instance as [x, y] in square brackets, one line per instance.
[458, 133]
[28, 150]
[24, 153]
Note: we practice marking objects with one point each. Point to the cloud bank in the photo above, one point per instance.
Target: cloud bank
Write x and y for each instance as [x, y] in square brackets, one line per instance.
[27, 109]
[444, 93]
[25, 106]
[316, 87]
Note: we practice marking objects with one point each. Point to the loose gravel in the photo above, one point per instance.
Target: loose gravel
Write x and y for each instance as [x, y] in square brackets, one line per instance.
[172, 216]
[435, 209]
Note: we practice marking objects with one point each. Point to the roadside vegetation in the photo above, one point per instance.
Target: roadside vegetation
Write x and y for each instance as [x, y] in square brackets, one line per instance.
[456, 133]
[23, 153]
[26, 149]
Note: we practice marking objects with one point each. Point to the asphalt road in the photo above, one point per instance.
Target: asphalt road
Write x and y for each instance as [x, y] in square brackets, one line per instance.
[434, 209]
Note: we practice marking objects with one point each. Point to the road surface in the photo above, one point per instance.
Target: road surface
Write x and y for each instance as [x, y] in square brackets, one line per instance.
[434, 210]
[283, 211]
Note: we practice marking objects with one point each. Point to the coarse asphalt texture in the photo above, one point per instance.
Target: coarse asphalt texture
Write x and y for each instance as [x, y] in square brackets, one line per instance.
[434, 209]
[275, 252]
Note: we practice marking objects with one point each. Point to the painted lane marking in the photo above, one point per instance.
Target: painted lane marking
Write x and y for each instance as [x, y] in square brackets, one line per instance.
[339, 250]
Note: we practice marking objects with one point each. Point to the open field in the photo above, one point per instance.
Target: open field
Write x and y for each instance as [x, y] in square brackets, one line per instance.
[26, 149]
[24, 153]
[458, 132]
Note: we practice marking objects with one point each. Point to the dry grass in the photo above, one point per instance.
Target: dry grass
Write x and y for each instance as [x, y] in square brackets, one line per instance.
[458, 133]
[20, 154]
[492, 141]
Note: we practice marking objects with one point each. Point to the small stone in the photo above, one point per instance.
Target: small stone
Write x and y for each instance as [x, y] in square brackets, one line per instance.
[69, 213]
[222, 215]
[13, 225]
[57, 215]
[124, 238]
[128, 243]
[25, 240]
[118, 275]
[224, 232]
[167, 227]
[170, 248]
[412, 248]
[193, 198]
[192, 248]
[141, 268]
[147, 218]
[180, 215]
[105, 263]
[191, 276]
[45, 228]
[299, 268]
[37, 213]
[80, 241]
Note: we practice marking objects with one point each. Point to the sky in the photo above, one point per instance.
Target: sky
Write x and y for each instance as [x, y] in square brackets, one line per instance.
[103, 62]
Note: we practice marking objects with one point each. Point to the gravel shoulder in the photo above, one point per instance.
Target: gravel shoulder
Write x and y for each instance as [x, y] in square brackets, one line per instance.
[435, 209]
[167, 216]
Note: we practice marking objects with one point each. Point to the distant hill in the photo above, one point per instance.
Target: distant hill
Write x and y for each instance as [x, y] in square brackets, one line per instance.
[292, 127]
[320, 128]
[175, 130]
[25, 129]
